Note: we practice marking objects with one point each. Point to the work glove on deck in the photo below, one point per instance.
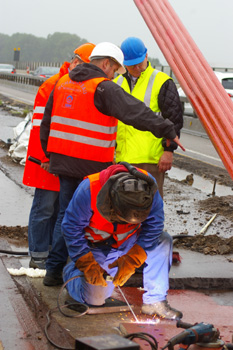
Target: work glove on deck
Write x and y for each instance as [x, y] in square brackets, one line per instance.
[127, 264]
[93, 272]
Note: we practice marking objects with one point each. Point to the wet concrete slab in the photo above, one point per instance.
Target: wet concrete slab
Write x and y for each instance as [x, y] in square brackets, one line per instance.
[18, 328]
[197, 306]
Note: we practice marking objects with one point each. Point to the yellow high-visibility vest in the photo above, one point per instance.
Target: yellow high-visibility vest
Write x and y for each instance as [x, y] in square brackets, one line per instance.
[135, 146]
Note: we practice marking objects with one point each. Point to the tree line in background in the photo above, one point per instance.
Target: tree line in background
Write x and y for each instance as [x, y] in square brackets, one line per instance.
[57, 47]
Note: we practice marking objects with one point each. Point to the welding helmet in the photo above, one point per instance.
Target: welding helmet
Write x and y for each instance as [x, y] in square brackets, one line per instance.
[134, 51]
[106, 49]
[127, 198]
[84, 51]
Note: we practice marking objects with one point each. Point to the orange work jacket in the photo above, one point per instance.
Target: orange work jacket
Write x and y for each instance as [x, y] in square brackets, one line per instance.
[77, 128]
[34, 175]
[100, 229]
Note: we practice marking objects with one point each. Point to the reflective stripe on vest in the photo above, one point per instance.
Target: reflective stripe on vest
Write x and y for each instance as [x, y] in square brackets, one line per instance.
[61, 135]
[77, 128]
[39, 109]
[103, 235]
[147, 96]
[84, 125]
[36, 122]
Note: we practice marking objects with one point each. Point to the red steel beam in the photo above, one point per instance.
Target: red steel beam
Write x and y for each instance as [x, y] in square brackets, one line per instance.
[207, 95]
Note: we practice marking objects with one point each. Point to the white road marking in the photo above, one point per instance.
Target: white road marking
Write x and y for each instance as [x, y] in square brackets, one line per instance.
[200, 154]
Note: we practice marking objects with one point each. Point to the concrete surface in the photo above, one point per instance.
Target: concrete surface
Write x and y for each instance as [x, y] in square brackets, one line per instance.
[25, 301]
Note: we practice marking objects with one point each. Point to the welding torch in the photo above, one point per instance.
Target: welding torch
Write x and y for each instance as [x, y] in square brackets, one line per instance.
[109, 278]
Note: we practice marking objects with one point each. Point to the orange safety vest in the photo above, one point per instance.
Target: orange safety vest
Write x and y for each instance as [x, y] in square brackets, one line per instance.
[34, 175]
[100, 229]
[77, 128]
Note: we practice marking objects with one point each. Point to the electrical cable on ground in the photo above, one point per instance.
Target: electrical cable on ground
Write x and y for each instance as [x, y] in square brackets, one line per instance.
[12, 252]
[59, 308]
[144, 336]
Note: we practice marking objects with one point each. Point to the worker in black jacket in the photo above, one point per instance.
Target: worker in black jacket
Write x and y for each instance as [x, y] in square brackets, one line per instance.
[158, 91]
[78, 132]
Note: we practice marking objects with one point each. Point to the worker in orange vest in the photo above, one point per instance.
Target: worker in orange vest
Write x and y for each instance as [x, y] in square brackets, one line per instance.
[45, 204]
[78, 132]
[113, 225]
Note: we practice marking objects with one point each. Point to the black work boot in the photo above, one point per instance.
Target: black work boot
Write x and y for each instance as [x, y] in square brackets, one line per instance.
[162, 309]
[53, 278]
[37, 263]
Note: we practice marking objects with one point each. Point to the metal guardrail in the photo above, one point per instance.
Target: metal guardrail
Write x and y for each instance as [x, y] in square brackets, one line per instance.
[26, 79]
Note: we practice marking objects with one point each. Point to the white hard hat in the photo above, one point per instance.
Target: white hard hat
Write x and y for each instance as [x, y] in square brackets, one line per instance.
[110, 50]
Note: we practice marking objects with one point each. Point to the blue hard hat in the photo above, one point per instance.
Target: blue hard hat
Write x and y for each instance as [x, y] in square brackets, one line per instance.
[134, 51]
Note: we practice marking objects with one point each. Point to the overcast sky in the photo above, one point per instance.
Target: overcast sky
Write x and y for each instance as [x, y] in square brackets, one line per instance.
[209, 22]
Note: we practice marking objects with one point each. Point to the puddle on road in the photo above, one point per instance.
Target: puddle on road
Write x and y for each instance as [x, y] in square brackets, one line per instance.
[7, 123]
[15, 204]
[206, 186]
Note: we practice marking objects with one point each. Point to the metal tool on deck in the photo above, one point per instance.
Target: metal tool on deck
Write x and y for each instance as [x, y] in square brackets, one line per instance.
[203, 334]
[136, 319]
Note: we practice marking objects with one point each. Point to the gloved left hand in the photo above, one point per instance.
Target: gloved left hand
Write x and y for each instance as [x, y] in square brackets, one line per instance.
[127, 264]
[93, 272]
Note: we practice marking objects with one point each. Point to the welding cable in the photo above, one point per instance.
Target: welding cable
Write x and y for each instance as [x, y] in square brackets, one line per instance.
[59, 308]
[144, 336]
[86, 307]
[46, 331]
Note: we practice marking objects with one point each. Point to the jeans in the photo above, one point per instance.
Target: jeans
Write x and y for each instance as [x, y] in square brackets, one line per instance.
[42, 219]
[58, 254]
[155, 272]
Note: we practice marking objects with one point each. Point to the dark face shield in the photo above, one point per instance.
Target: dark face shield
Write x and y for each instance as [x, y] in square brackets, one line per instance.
[125, 198]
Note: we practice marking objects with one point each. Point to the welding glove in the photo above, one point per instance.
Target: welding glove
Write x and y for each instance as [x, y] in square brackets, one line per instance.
[93, 272]
[127, 264]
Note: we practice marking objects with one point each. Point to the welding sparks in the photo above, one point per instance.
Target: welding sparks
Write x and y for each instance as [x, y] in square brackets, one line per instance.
[128, 304]
[148, 321]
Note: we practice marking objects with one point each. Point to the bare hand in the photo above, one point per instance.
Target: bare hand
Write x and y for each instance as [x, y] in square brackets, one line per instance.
[45, 166]
[165, 162]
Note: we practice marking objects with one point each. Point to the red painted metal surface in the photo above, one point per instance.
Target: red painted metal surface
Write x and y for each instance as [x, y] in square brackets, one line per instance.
[196, 307]
[208, 97]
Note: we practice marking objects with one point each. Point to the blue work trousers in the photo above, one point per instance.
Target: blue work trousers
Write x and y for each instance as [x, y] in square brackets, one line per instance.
[42, 219]
[58, 254]
[155, 272]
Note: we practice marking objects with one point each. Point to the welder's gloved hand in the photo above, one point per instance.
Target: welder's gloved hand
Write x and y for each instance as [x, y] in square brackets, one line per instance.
[127, 264]
[93, 272]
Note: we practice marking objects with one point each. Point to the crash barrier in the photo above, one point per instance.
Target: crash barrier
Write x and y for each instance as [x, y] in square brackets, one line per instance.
[22, 79]
[210, 100]
[22, 82]
[22, 66]
[33, 65]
